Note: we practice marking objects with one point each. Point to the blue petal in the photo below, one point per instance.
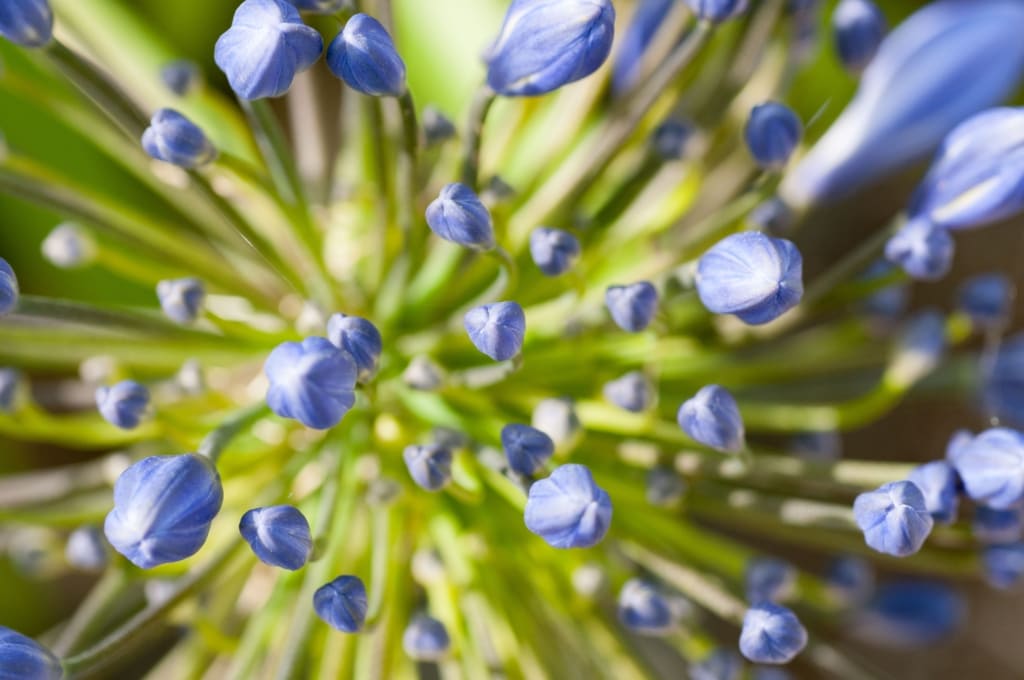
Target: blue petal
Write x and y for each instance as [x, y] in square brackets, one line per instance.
[567, 509]
[279, 535]
[342, 603]
[22, 658]
[771, 634]
[497, 329]
[894, 518]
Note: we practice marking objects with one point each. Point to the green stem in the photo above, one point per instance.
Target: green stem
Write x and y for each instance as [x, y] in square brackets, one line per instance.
[481, 105]
[217, 441]
[90, 615]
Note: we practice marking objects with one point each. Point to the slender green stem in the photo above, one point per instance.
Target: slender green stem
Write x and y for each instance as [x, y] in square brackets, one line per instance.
[474, 132]
[217, 441]
[408, 169]
[90, 615]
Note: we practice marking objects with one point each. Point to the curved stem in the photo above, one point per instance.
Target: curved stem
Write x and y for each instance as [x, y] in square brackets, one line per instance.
[482, 103]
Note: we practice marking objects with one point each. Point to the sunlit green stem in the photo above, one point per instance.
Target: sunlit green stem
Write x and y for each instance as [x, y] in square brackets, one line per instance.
[217, 441]
[474, 131]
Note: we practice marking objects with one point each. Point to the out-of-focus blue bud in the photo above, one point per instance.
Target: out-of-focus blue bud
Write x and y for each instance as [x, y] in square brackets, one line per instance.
[639, 35]
[756, 277]
[922, 249]
[181, 299]
[497, 329]
[426, 639]
[173, 138]
[850, 579]
[888, 303]
[28, 23]
[319, 6]
[68, 246]
[526, 448]
[10, 379]
[279, 535]
[1003, 390]
[312, 381]
[8, 288]
[458, 215]
[632, 392]
[919, 348]
[772, 133]
[266, 46]
[163, 508]
[817, 446]
[567, 509]
[859, 27]
[717, 10]
[948, 61]
[545, 44]
[769, 579]
[643, 609]
[772, 216]
[423, 374]
[22, 658]
[664, 487]
[123, 404]
[987, 299]
[429, 465]
[632, 306]
[342, 603]
[993, 526]
[360, 338]
[557, 419]
[554, 251]
[937, 482]
[671, 139]
[1004, 564]
[713, 419]
[364, 56]
[86, 549]
[771, 634]
[992, 467]
[894, 518]
[719, 664]
[437, 127]
[909, 614]
[180, 76]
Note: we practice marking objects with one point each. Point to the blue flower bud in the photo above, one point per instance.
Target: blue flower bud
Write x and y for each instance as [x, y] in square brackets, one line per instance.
[554, 251]
[769, 580]
[437, 127]
[859, 27]
[640, 33]
[8, 288]
[429, 465]
[919, 348]
[913, 93]
[717, 10]
[173, 138]
[181, 299]
[817, 446]
[278, 535]
[664, 488]
[124, 404]
[1004, 564]
[993, 526]
[894, 518]
[557, 419]
[567, 509]
[319, 6]
[632, 306]
[771, 634]
[364, 56]
[360, 338]
[163, 508]
[342, 604]
[992, 467]
[68, 246]
[28, 23]
[426, 639]
[527, 448]
[643, 609]
[632, 392]
[671, 139]
[987, 299]
[850, 579]
[10, 379]
[910, 613]
[180, 76]
[924, 250]
[86, 549]
[713, 419]
[265, 47]
[545, 44]
[496, 329]
[423, 374]
[312, 381]
[22, 658]
[756, 277]
[937, 482]
[457, 215]
[772, 133]
[719, 664]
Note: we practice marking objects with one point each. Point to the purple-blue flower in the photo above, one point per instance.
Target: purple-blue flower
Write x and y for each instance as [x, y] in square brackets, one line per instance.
[771, 634]
[123, 404]
[458, 215]
[644, 609]
[1004, 564]
[909, 613]
[22, 658]
[497, 329]
[769, 579]
[712, 418]
[342, 604]
[632, 306]
[364, 56]
[312, 382]
[859, 27]
[554, 251]
[992, 467]
[429, 465]
[717, 10]
[632, 47]
[922, 249]
[632, 392]
[360, 338]
[86, 549]
[526, 448]
[163, 508]
[180, 76]
[28, 23]
[181, 299]
[772, 133]
[426, 639]
[567, 509]
[279, 535]
[937, 482]
[993, 526]
[987, 299]
[894, 518]
[173, 138]
[8, 288]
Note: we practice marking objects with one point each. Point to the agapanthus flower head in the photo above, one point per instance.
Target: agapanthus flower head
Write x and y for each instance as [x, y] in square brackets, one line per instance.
[279, 535]
[266, 46]
[360, 338]
[181, 299]
[632, 306]
[922, 249]
[671, 139]
[68, 246]
[364, 56]
[86, 549]
[937, 482]
[554, 251]
[319, 6]
[769, 579]
[429, 465]
[526, 448]
[312, 382]
[772, 133]
[426, 639]
[10, 380]
[458, 215]
[771, 634]
[568, 509]
[22, 658]
[644, 609]
[851, 579]
[859, 27]
[497, 329]
[28, 23]
[664, 487]
[894, 518]
[987, 299]
[1004, 564]
[342, 603]
[163, 508]
[994, 527]
[545, 44]
[437, 127]
[632, 392]
[123, 404]
[180, 76]
[173, 138]
[712, 418]
[756, 277]
[909, 613]
[8, 288]
[992, 467]
[717, 10]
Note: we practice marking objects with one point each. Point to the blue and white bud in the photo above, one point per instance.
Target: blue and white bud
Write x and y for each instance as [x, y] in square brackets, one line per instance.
[22, 658]
[554, 251]
[526, 448]
[181, 299]
[426, 639]
[937, 482]
[10, 380]
[756, 277]
[266, 46]
[910, 614]
[86, 549]
[319, 6]
[992, 527]
[664, 487]
[992, 467]
[987, 299]
[632, 392]
[771, 634]
[671, 140]
[458, 215]
[632, 306]
[719, 664]
[772, 133]
[1004, 564]
[68, 246]
[437, 127]
[364, 56]
[557, 419]
[717, 10]
[859, 27]
[163, 508]
[342, 604]
[180, 76]
[173, 138]
[8, 288]
[279, 535]
[567, 509]
[360, 338]
[497, 329]
[545, 44]
[632, 49]
[429, 465]
[312, 382]
[850, 579]
[28, 23]
[923, 250]
[769, 579]
[124, 404]
[712, 418]
[644, 609]
[894, 518]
